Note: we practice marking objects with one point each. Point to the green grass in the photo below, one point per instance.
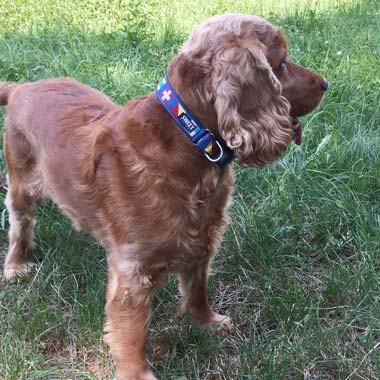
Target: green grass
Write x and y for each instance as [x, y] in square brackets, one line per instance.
[299, 270]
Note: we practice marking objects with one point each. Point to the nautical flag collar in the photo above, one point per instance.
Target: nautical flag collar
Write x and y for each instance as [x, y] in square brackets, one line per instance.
[215, 150]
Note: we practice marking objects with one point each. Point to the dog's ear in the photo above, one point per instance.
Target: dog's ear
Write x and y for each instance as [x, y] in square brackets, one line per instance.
[253, 117]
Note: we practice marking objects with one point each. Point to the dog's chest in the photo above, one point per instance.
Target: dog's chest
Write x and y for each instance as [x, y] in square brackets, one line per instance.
[166, 221]
[198, 219]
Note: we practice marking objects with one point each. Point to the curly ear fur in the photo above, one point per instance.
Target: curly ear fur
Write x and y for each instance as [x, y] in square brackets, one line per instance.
[253, 117]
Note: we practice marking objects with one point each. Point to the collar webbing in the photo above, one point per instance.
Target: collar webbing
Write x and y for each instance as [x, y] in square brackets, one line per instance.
[215, 150]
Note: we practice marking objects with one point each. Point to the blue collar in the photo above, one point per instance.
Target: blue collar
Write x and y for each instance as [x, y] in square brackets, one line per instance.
[215, 150]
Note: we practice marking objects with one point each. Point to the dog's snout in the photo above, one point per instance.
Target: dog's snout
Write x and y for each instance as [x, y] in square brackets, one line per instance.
[325, 85]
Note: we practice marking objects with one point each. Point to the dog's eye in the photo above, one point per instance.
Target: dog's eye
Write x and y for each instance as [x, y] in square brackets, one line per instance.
[282, 65]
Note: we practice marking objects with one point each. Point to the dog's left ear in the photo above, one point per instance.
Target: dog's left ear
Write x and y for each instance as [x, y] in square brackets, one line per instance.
[253, 116]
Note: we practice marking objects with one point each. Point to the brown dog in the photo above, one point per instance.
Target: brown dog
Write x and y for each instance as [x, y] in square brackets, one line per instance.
[134, 179]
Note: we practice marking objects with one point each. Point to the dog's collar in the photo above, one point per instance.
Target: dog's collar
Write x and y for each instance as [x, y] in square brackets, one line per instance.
[214, 149]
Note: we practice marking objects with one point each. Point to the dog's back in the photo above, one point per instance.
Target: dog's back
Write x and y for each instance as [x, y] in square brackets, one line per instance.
[43, 136]
[50, 107]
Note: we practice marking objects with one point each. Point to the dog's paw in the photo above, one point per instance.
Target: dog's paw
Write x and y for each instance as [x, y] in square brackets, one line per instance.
[148, 375]
[208, 318]
[145, 375]
[13, 271]
[221, 322]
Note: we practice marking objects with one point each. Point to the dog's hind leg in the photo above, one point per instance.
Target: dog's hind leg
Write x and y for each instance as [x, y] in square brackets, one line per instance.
[22, 211]
[22, 208]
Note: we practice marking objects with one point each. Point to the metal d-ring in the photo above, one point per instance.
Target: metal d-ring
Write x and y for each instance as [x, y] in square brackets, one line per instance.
[220, 155]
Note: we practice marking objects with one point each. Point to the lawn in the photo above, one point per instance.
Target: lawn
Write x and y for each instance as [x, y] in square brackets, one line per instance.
[299, 269]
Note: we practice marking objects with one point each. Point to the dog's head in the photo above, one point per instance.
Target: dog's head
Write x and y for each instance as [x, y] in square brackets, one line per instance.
[234, 73]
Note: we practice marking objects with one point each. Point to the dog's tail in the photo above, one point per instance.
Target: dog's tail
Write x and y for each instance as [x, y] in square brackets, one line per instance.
[5, 90]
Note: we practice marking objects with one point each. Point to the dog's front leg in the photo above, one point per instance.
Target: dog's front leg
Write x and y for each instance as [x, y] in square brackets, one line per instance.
[193, 288]
[128, 309]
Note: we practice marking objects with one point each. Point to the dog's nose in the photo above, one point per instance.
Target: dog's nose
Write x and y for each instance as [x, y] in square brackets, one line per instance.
[325, 85]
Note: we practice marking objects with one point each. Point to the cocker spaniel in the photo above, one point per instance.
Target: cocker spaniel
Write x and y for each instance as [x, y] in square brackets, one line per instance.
[152, 179]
